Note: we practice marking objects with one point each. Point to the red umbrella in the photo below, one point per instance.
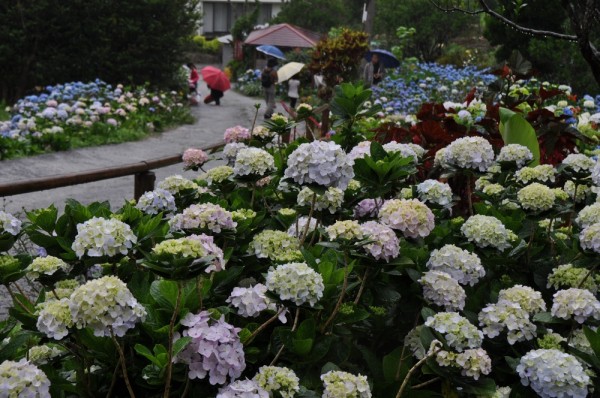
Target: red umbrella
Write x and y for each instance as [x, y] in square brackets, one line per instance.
[215, 78]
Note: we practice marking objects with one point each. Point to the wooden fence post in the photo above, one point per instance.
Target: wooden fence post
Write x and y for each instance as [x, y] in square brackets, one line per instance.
[144, 182]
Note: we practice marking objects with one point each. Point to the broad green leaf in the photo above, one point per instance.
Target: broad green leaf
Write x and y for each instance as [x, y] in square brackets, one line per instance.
[145, 352]
[302, 346]
[180, 344]
[593, 338]
[164, 293]
[516, 130]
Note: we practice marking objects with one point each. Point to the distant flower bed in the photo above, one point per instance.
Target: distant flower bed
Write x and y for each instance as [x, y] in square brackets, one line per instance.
[249, 83]
[84, 114]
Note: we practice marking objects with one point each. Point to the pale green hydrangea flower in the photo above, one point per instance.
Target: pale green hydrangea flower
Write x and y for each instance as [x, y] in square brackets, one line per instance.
[47, 266]
[536, 197]
[278, 379]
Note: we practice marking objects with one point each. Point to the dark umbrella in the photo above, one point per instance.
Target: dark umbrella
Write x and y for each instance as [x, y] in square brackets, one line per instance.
[388, 59]
[215, 78]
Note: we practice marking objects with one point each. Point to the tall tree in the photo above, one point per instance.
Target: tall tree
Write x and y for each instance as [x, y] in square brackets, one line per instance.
[321, 15]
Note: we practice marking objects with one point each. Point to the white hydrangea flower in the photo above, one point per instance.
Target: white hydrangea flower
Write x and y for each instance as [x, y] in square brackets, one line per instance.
[177, 183]
[579, 162]
[54, 318]
[463, 266]
[9, 223]
[263, 132]
[157, 201]
[473, 153]
[47, 266]
[203, 216]
[242, 389]
[596, 174]
[105, 304]
[435, 192]
[348, 229]
[519, 154]
[253, 161]
[536, 197]
[576, 192]
[496, 317]
[418, 149]
[527, 298]
[542, 173]
[566, 275]
[251, 301]
[589, 238]
[439, 159]
[99, 237]
[275, 245]
[412, 340]
[297, 228]
[340, 384]
[405, 150]
[579, 304]
[231, 150]
[493, 189]
[23, 379]
[320, 162]
[296, 282]
[580, 342]
[361, 150]
[385, 244]
[442, 290]
[278, 379]
[457, 330]
[486, 231]
[217, 174]
[367, 208]
[472, 362]
[331, 199]
[588, 215]
[552, 373]
[412, 217]
[42, 354]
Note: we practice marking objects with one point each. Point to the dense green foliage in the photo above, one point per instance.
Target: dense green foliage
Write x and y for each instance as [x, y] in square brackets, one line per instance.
[46, 42]
[321, 15]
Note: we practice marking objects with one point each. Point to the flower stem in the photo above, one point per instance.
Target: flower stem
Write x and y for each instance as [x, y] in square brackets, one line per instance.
[123, 366]
[433, 350]
[339, 302]
[362, 286]
[296, 318]
[263, 326]
[171, 332]
[310, 213]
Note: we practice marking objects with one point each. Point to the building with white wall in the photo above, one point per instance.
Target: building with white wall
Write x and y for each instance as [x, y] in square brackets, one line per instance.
[219, 16]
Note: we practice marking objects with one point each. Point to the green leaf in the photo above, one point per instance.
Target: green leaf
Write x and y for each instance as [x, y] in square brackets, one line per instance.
[377, 151]
[306, 330]
[326, 270]
[302, 346]
[180, 344]
[593, 338]
[516, 130]
[164, 293]
[145, 352]
[391, 364]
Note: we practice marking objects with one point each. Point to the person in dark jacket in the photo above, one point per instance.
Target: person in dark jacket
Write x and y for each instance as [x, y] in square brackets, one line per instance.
[215, 95]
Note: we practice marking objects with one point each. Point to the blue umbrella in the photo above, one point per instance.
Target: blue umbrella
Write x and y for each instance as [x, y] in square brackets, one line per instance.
[388, 59]
[271, 50]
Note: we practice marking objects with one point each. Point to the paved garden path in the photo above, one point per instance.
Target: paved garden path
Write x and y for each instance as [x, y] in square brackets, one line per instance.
[211, 122]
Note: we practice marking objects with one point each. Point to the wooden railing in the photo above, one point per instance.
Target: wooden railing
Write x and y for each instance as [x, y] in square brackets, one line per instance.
[144, 177]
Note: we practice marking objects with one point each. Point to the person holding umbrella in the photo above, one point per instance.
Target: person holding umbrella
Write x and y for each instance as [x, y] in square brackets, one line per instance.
[217, 82]
[374, 71]
[215, 95]
[268, 79]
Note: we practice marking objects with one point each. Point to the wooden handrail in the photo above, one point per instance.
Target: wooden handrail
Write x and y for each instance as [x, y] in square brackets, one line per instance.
[65, 180]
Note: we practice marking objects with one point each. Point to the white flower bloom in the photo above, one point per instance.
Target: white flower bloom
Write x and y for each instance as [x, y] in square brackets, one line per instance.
[9, 224]
[331, 199]
[54, 318]
[154, 202]
[413, 218]
[278, 379]
[457, 330]
[296, 282]
[440, 159]
[579, 304]
[552, 373]
[385, 245]
[405, 150]
[435, 192]
[536, 197]
[519, 154]
[442, 290]
[275, 245]
[496, 317]
[596, 174]
[361, 150]
[340, 384]
[463, 266]
[231, 150]
[177, 183]
[541, 173]
[472, 362]
[527, 298]
[579, 162]
[23, 379]
[320, 162]
[589, 238]
[242, 389]
[588, 215]
[566, 275]
[486, 231]
[101, 237]
[297, 228]
[473, 153]
[576, 192]
[204, 216]
[348, 229]
[253, 161]
[47, 266]
[42, 354]
[251, 301]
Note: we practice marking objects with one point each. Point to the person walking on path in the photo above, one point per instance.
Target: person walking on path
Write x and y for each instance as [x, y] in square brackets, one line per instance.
[268, 79]
[193, 83]
[374, 72]
[293, 85]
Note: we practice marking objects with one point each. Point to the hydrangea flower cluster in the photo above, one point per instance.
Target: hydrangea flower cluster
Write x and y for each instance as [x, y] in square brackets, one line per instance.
[439, 160]
[527, 298]
[589, 238]
[250, 301]
[47, 266]
[486, 231]
[9, 223]
[457, 330]
[157, 201]
[579, 304]
[472, 362]
[242, 389]
[42, 354]
[435, 192]
[418, 149]
[182, 247]
[331, 199]
[107, 306]
[412, 217]
[588, 215]
[99, 237]
[361, 150]
[215, 349]
[193, 157]
[275, 245]
[212, 250]
[348, 230]
[236, 134]
[320, 162]
[566, 275]
[23, 379]
[405, 150]
[340, 384]
[54, 318]
[204, 216]
[231, 150]
[473, 153]
[579, 162]
[385, 244]
[367, 208]
[596, 174]
[442, 290]
[278, 379]
[576, 192]
[519, 154]
[297, 228]
[536, 197]
[463, 266]
[263, 133]
[541, 173]
[217, 175]
[552, 373]
[176, 184]
[493, 189]
[296, 282]
[253, 161]
[496, 317]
